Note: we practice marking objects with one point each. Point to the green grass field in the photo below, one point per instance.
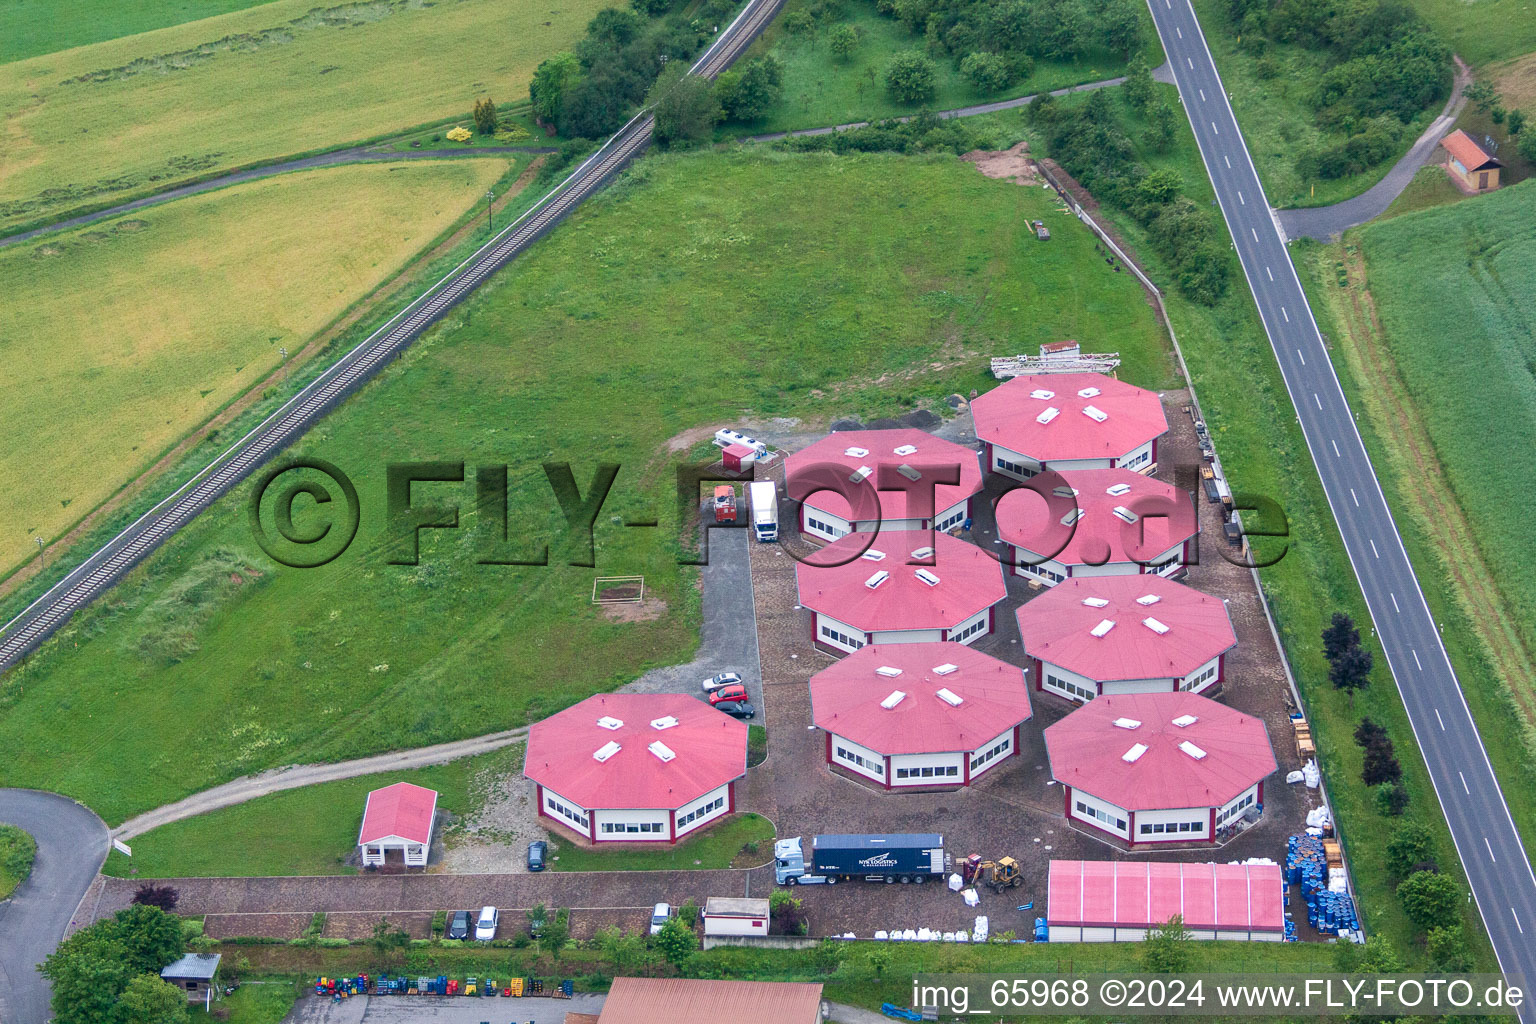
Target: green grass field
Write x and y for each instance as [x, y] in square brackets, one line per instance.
[17, 849]
[744, 285]
[308, 831]
[820, 89]
[1480, 31]
[281, 78]
[260, 1002]
[152, 322]
[716, 847]
[32, 27]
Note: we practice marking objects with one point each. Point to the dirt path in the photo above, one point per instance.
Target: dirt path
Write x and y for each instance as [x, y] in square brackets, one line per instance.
[365, 307]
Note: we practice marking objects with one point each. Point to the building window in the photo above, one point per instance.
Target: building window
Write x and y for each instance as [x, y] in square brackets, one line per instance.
[969, 631]
[1099, 814]
[1016, 468]
[1199, 680]
[998, 749]
[1067, 688]
[1137, 460]
[951, 521]
[833, 636]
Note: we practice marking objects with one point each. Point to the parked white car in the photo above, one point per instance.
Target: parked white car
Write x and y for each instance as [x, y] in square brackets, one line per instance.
[485, 926]
[659, 916]
[714, 683]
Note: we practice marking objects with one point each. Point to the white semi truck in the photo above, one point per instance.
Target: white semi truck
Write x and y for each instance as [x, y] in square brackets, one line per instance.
[765, 510]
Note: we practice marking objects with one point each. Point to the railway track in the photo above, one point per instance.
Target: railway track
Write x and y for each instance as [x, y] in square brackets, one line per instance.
[122, 553]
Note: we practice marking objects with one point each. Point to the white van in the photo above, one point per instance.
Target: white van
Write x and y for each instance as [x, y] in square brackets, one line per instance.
[485, 927]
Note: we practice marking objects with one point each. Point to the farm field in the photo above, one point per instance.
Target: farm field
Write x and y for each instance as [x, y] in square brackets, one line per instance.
[307, 831]
[850, 311]
[123, 336]
[277, 79]
[32, 27]
[820, 89]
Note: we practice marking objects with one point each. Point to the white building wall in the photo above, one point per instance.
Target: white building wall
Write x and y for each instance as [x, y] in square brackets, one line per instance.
[1107, 569]
[1138, 459]
[874, 763]
[1119, 822]
[1067, 465]
[553, 805]
[624, 826]
[1115, 686]
[1065, 933]
[720, 796]
[974, 628]
[1006, 739]
[946, 769]
[1013, 464]
[1213, 667]
[1232, 809]
[1198, 817]
[842, 636]
[1050, 572]
[907, 636]
[1066, 683]
[824, 524]
[715, 924]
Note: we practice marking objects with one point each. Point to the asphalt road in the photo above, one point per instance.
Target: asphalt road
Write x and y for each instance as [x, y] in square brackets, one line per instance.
[71, 844]
[1464, 781]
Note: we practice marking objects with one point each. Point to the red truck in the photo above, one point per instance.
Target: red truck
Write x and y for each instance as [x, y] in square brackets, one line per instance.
[725, 504]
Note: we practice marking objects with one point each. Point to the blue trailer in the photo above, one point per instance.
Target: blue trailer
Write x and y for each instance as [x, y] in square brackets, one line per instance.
[893, 857]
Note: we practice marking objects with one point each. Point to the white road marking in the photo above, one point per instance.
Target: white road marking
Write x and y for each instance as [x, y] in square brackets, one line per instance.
[1285, 314]
[1491, 856]
[1229, 167]
[1517, 920]
[1202, 100]
[1319, 401]
[1190, 63]
[1256, 238]
[1394, 604]
[1378, 555]
[1336, 453]
[1179, 31]
[1214, 129]
[1271, 275]
[1416, 660]
[1439, 719]
[1352, 494]
[1301, 357]
[1464, 788]
[1241, 200]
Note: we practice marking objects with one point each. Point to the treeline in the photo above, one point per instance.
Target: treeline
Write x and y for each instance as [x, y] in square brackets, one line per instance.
[1021, 31]
[591, 90]
[925, 133]
[1386, 65]
[1091, 143]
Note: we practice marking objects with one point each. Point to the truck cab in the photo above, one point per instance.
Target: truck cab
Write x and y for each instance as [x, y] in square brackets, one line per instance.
[789, 867]
[764, 499]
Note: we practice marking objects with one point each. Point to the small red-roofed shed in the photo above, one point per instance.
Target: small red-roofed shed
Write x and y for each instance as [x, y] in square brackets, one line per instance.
[397, 825]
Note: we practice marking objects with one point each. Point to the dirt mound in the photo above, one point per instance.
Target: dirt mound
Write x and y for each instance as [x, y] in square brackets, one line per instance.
[1011, 164]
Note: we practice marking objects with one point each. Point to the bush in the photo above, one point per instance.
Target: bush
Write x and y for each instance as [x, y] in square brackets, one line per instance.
[486, 121]
[844, 39]
[1391, 800]
[986, 71]
[684, 105]
[650, 8]
[924, 133]
[163, 896]
[458, 134]
[1447, 948]
[746, 93]
[1429, 898]
[909, 77]
[1411, 844]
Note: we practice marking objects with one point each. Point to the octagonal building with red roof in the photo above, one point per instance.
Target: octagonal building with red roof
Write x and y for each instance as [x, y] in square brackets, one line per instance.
[1126, 634]
[929, 714]
[1159, 767]
[855, 459]
[636, 767]
[1099, 522]
[895, 588]
[1068, 421]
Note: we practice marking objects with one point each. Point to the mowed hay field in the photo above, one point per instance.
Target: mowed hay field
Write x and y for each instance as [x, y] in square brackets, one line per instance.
[701, 289]
[120, 338]
[102, 123]
[31, 27]
[1452, 286]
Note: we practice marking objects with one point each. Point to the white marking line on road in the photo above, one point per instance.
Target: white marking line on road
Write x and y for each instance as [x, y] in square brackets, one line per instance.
[1352, 494]
[1229, 167]
[1285, 314]
[1394, 603]
[1214, 129]
[1517, 920]
[1202, 100]
[1243, 202]
[1179, 31]
[1416, 660]
[1336, 453]
[1256, 238]
[1301, 357]
[1378, 555]
[1190, 63]
[1319, 401]
[1439, 719]
[1270, 273]
[1490, 854]
[1464, 788]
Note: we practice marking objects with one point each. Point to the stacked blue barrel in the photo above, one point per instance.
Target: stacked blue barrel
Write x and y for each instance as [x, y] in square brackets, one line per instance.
[1306, 866]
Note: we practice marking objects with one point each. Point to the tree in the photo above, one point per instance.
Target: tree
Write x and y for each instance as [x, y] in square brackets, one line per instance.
[1516, 122]
[878, 958]
[148, 1000]
[1411, 844]
[748, 92]
[557, 933]
[650, 8]
[163, 896]
[1368, 733]
[1429, 898]
[1351, 671]
[986, 71]
[624, 951]
[676, 942]
[1391, 800]
[909, 77]
[684, 105]
[1166, 949]
[486, 121]
[552, 81]
[389, 940]
[88, 972]
[1528, 146]
[1380, 957]
[1138, 86]
[788, 912]
[843, 40]
[1482, 96]
[1160, 187]
[1162, 128]
[150, 937]
[1340, 636]
[1447, 948]
[1381, 764]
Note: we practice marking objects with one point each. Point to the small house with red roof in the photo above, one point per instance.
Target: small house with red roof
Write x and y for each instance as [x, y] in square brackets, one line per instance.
[397, 826]
[1159, 767]
[1060, 421]
[900, 587]
[636, 767]
[1126, 634]
[1468, 164]
[930, 714]
[876, 480]
[1099, 522]
[1120, 901]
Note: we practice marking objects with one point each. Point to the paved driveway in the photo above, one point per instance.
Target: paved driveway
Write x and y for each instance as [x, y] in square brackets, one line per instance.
[71, 844]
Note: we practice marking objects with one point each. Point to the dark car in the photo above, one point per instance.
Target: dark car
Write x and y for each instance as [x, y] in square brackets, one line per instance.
[535, 922]
[458, 925]
[536, 851]
[727, 694]
[738, 709]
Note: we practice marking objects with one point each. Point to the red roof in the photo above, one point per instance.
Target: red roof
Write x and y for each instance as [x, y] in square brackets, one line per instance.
[740, 451]
[1162, 629]
[402, 810]
[847, 696]
[707, 749]
[1164, 518]
[883, 448]
[700, 1001]
[1467, 152]
[834, 581]
[1097, 417]
[1228, 751]
[1142, 894]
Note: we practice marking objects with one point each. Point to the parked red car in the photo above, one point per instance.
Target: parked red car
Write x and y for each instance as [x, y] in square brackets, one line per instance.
[726, 694]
